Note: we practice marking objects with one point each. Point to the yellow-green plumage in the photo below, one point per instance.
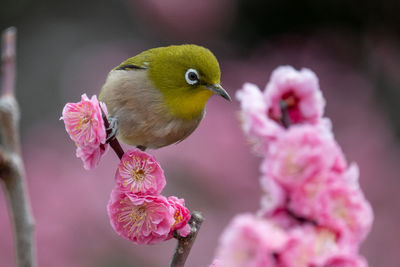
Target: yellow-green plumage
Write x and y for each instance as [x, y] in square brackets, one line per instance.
[151, 97]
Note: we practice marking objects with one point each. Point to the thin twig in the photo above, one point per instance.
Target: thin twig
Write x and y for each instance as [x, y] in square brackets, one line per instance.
[12, 173]
[285, 118]
[185, 243]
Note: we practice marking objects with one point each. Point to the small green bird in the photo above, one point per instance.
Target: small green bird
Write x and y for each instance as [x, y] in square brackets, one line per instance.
[158, 97]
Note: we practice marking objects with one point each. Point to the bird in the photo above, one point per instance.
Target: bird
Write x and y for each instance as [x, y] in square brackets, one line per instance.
[158, 97]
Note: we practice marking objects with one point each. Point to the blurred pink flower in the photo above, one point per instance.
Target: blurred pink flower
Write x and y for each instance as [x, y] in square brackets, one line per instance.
[273, 198]
[304, 198]
[302, 152]
[253, 116]
[308, 246]
[310, 191]
[299, 249]
[334, 203]
[84, 122]
[299, 90]
[141, 219]
[139, 172]
[345, 210]
[250, 241]
[282, 218]
[345, 260]
[91, 155]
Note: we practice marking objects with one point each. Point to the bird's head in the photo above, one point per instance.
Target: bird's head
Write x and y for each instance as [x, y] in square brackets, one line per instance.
[186, 75]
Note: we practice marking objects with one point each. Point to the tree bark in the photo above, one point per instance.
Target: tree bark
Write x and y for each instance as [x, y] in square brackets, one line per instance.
[12, 173]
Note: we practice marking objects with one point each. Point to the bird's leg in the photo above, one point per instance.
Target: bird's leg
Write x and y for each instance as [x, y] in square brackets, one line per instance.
[112, 141]
[143, 148]
[112, 129]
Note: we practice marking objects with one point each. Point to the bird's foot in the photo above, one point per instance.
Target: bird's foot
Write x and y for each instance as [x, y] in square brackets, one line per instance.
[112, 129]
[143, 148]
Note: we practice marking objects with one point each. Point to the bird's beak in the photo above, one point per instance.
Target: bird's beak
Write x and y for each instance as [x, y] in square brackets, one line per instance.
[217, 89]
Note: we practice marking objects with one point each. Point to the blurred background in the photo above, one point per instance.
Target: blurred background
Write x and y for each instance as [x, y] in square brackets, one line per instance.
[66, 48]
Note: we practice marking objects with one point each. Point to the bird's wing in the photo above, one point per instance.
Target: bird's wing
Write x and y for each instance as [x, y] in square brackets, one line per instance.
[130, 67]
[140, 61]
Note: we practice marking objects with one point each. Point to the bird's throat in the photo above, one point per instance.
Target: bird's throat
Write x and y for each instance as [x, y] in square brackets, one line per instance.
[188, 106]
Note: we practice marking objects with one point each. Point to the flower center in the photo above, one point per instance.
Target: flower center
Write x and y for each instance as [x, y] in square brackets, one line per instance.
[138, 175]
[138, 213]
[132, 218]
[290, 99]
[178, 218]
[85, 119]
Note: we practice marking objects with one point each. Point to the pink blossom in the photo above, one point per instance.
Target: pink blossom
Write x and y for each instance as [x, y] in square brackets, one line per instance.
[181, 216]
[345, 260]
[345, 210]
[84, 124]
[298, 250]
[282, 218]
[139, 172]
[250, 241]
[83, 121]
[299, 90]
[307, 245]
[253, 116]
[141, 219]
[273, 197]
[304, 199]
[301, 152]
[335, 201]
[91, 155]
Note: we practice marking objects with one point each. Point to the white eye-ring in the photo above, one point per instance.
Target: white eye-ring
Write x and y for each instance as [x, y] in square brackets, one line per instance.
[191, 76]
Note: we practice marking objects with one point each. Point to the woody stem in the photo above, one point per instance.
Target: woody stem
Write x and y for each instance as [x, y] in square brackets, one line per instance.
[185, 244]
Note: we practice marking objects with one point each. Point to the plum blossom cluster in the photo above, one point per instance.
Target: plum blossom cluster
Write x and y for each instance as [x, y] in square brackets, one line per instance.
[137, 210]
[313, 212]
[84, 124]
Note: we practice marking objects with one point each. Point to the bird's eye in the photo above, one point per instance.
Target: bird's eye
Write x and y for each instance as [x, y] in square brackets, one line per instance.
[191, 76]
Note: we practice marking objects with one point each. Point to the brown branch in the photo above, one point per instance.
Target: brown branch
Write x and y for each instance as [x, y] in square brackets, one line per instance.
[12, 172]
[185, 243]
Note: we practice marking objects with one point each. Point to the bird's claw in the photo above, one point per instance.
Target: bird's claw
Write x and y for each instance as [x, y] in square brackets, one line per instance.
[112, 129]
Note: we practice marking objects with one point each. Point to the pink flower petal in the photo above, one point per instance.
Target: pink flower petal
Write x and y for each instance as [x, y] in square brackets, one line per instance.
[91, 156]
[138, 172]
[84, 124]
[83, 121]
[345, 210]
[141, 219]
[300, 90]
[253, 116]
[300, 153]
[250, 241]
[181, 216]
